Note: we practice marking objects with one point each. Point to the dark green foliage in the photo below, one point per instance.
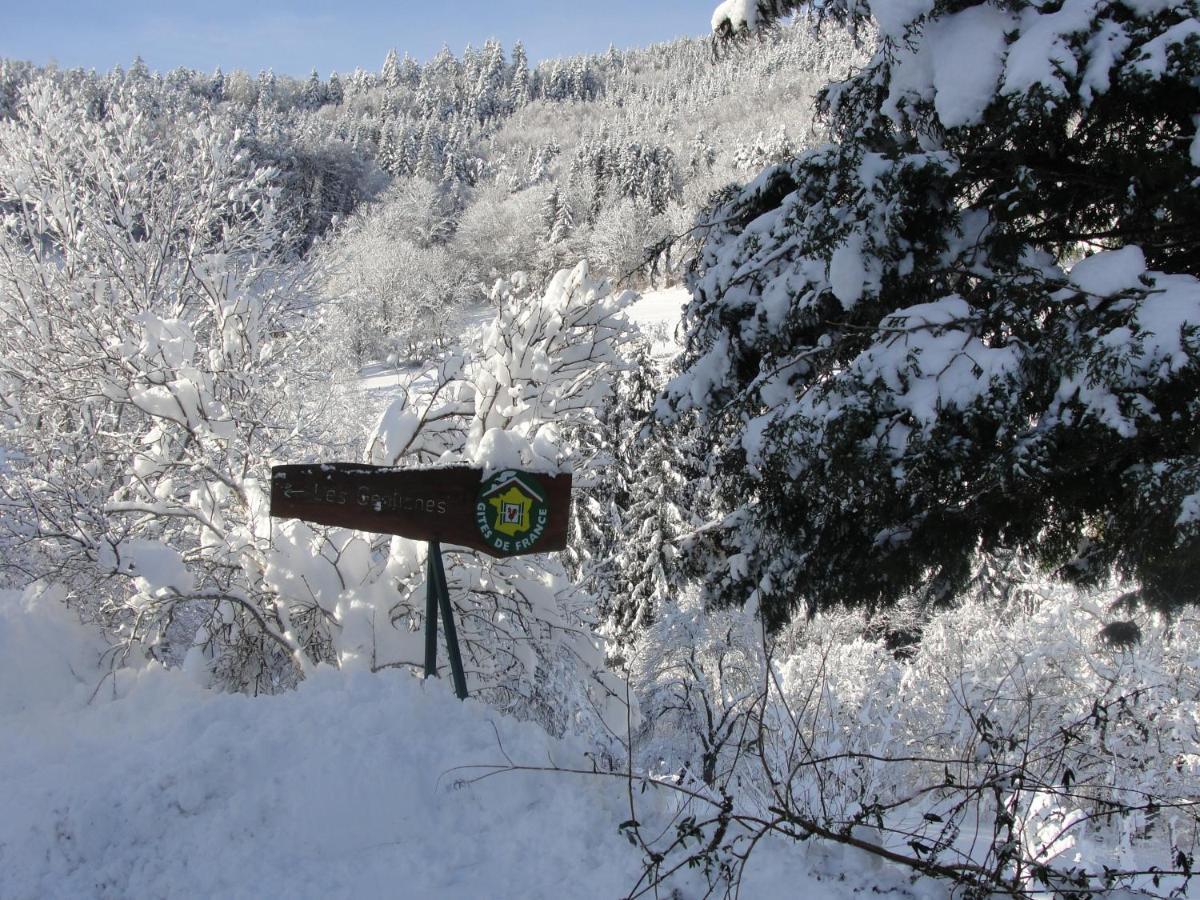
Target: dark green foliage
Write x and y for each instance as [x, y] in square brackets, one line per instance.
[900, 372]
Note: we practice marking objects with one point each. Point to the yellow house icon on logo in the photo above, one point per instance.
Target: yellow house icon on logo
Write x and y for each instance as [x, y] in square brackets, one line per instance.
[512, 511]
[517, 505]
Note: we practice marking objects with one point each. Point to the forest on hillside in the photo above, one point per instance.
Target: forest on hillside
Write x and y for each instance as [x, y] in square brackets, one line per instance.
[897, 548]
[429, 181]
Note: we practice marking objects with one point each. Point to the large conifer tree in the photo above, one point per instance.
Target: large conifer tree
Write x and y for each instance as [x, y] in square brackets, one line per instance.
[970, 323]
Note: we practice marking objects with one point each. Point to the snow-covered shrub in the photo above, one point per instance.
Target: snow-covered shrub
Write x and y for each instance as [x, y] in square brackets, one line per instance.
[624, 237]
[500, 232]
[392, 287]
[526, 398]
[152, 370]
[416, 211]
[1016, 750]
[764, 151]
[699, 676]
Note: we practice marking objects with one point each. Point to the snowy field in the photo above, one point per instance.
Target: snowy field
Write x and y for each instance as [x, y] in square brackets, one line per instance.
[656, 313]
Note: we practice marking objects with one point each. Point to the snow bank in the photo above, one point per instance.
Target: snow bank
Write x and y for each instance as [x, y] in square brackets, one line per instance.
[47, 659]
[350, 786]
[346, 787]
[155, 787]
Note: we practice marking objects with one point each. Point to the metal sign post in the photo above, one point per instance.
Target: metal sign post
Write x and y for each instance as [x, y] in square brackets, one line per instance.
[438, 585]
[509, 514]
[433, 598]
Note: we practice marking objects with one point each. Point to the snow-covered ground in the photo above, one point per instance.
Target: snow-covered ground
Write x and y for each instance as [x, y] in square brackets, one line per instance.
[346, 787]
[657, 313]
[351, 786]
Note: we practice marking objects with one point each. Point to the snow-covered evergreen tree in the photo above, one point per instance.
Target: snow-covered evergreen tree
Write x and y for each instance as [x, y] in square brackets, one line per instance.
[390, 73]
[519, 81]
[267, 86]
[336, 92]
[630, 521]
[314, 93]
[972, 322]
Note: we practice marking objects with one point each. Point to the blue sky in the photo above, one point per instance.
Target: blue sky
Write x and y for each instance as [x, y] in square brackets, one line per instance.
[292, 37]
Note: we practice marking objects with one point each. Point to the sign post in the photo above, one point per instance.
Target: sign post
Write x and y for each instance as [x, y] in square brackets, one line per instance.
[433, 599]
[512, 513]
[443, 592]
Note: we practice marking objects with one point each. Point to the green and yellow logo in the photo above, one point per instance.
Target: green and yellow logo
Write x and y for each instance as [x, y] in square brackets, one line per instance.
[511, 511]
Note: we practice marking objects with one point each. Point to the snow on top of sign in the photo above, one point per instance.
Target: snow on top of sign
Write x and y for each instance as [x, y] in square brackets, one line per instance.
[509, 477]
[500, 449]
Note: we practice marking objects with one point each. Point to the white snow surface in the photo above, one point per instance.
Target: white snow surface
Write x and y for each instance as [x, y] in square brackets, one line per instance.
[350, 786]
[1111, 272]
[345, 787]
[740, 14]
[968, 58]
[657, 314]
[45, 657]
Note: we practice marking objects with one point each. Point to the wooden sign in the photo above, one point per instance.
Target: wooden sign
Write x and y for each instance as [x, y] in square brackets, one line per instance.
[509, 514]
